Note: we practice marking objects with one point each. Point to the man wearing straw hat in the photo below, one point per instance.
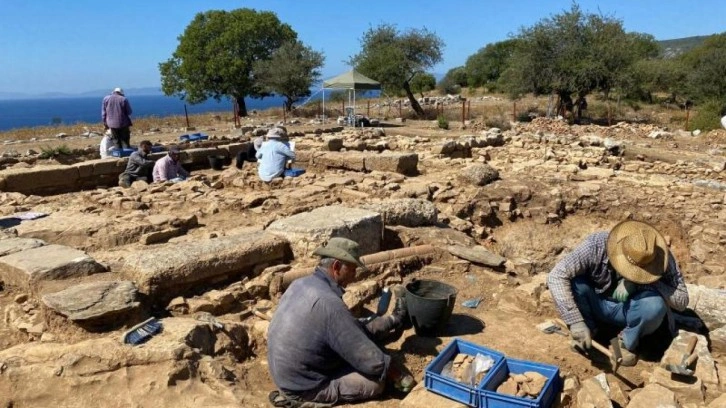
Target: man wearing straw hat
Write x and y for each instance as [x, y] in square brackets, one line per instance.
[624, 278]
[318, 353]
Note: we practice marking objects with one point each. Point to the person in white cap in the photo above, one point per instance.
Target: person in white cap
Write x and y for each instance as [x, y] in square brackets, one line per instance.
[106, 144]
[273, 155]
[116, 115]
[625, 278]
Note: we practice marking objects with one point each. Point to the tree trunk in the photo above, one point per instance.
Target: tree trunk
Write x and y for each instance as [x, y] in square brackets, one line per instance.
[411, 98]
[242, 107]
[288, 104]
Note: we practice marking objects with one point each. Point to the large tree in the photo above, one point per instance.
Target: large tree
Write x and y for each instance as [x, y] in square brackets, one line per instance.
[290, 72]
[393, 58]
[706, 65]
[572, 54]
[423, 82]
[453, 81]
[216, 53]
[486, 65]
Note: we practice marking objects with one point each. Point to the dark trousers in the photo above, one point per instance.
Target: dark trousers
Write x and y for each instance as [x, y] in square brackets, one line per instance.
[246, 155]
[121, 137]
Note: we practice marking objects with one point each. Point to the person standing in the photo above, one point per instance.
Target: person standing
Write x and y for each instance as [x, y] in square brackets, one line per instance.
[116, 115]
[273, 155]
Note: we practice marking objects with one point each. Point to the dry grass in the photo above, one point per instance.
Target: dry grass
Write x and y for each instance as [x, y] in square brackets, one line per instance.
[497, 111]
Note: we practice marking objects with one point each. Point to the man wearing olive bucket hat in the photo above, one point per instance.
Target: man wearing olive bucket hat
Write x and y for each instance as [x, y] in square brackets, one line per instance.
[625, 278]
[318, 353]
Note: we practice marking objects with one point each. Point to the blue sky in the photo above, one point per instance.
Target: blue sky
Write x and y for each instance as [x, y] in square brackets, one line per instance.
[80, 45]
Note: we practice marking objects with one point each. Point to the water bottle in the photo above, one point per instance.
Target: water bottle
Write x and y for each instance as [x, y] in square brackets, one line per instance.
[383, 302]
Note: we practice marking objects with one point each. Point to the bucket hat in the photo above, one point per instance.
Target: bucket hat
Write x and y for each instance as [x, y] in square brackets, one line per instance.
[342, 249]
[276, 133]
[637, 251]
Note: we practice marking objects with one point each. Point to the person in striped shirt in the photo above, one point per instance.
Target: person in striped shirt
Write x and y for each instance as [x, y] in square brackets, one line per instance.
[626, 278]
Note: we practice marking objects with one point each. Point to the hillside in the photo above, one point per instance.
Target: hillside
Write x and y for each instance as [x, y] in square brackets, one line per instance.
[673, 48]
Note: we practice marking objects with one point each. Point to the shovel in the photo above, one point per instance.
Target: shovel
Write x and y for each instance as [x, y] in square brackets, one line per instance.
[688, 358]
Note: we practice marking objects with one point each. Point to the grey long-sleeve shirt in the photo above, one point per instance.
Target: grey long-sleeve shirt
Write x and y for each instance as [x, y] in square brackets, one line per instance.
[313, 335]
[590, 259]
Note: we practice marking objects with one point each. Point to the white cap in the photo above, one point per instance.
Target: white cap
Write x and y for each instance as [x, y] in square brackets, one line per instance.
[118, 91]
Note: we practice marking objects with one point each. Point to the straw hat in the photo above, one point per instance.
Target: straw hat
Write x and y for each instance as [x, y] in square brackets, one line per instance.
[342, 249]
[637, 251]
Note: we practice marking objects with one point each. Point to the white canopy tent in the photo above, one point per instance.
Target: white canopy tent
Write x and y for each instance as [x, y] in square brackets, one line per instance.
[352, 81]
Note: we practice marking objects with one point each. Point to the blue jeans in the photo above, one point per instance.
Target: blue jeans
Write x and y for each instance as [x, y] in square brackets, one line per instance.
[640, 315]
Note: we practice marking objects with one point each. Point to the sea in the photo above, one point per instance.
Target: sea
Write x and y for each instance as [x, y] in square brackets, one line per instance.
[23, 113]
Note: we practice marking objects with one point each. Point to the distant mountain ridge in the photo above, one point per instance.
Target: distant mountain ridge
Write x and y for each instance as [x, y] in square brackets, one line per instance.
[675, 47]
[154, 91]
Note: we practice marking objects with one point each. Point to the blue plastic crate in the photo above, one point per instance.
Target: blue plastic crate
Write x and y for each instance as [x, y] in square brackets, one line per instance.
[197, 136]
[294, 172]
[489, 398]
[122, 152]
[184, 138]
[450, 388]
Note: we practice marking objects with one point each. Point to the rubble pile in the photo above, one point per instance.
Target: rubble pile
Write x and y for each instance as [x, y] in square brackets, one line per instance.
[489, 212]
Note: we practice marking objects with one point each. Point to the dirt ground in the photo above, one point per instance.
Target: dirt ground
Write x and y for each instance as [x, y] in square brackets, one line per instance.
[505, 320]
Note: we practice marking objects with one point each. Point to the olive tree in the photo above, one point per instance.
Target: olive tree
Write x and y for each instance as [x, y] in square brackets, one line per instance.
[573, 54]
[484, 67]
[394, 58]
[291, 71]
[216, 53]
[423, 82]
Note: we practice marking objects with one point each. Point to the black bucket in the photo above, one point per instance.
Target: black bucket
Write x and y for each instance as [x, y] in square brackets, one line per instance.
[430, 304]
[217, 162]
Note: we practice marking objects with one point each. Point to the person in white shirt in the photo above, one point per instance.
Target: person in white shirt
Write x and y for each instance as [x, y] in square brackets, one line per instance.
[107, 145]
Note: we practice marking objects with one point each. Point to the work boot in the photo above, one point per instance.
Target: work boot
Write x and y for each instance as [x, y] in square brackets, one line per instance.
[400, 309]
[629, 359]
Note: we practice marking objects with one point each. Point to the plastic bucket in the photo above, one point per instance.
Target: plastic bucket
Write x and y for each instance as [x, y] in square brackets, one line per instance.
[429, 304]
[217, 162]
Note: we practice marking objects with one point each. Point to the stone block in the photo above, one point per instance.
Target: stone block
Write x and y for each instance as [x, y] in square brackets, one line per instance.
[408, 212]
[85, 169]
[689, 391]
[354, 161]
[49, 262]
[108, 167]
[420, 397]
[332, 144]
[13, 245]
[100, 302]
[653, 395]
[51, 179]
[403, 163]
[306, 231]
[168, 270]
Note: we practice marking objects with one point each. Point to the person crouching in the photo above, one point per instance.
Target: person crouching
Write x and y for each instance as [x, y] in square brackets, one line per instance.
[273, 155]
[169, 167]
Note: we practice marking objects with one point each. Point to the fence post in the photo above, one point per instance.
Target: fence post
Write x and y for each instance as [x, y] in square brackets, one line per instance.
[186, 115]
[400, 104]
[368, 111]
[463, 111]
[687, 114]
[284, 114]
[514, 111]
[468, 109]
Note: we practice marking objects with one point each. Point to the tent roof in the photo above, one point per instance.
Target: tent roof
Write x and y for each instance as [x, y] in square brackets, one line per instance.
[352, 80]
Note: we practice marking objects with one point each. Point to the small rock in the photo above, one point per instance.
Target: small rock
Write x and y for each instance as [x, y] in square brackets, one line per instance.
[21, 298]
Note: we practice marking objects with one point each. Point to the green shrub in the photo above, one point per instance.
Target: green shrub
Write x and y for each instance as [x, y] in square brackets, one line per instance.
[708, 116]
[48, 152]
[443, 122]
[498, 122]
